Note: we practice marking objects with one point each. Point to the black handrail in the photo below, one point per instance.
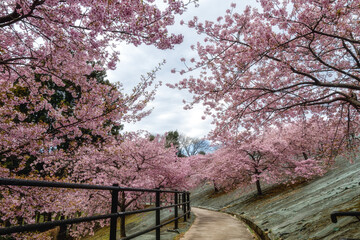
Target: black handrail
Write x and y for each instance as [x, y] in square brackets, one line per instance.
[115, 189]
[334, 215]
[36, 183]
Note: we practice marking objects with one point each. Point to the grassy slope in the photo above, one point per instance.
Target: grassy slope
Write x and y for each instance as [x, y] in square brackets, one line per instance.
[139, 222]
[104, 233]
[296, 212]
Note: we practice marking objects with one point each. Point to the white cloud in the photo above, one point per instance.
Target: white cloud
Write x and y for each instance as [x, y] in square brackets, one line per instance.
[168, 113]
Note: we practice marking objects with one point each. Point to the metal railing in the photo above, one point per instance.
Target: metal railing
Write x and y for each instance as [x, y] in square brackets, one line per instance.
[113, 216]
[334, 215]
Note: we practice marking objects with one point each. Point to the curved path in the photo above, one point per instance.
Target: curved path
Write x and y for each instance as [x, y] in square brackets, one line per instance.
[210, 225]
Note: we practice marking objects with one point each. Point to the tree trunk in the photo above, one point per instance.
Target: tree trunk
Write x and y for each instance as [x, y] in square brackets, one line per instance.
[20, 220]
[258, 187]
[216, 189]
[49, 217]
[37, 217]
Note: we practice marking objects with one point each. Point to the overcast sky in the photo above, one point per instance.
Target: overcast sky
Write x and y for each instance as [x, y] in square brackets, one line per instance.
[168, 113]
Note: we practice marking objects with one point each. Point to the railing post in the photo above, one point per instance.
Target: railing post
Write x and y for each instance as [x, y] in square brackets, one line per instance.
[62, 229]
[122, 217]
[184, 206]
[157, 222]
[176, 211]
[188, 205]
[114, 208]
[181, 199]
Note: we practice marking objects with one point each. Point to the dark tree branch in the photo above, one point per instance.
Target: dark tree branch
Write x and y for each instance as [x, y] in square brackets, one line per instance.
[15, 16]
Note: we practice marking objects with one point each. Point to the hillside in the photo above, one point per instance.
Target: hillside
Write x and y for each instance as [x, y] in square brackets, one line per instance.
[142, 221]
[298, 212]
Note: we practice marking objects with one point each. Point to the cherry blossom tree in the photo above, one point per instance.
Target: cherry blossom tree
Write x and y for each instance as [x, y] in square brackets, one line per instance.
[190, 146]
[278, 155]
[288, 60]
[133, 161]
[50, 54]
[139, 162]
[57, 110]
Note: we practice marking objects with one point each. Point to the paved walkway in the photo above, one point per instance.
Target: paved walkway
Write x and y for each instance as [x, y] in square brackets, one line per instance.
[210, 225]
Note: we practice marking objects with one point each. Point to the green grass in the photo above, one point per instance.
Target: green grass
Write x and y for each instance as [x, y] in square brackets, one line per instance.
[104, 233]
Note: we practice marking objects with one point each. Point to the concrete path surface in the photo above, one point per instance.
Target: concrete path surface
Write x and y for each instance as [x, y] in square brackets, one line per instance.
[211, 225]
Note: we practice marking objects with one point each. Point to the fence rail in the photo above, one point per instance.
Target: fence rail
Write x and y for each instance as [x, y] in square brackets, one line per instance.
[113, 216]
[334, 215]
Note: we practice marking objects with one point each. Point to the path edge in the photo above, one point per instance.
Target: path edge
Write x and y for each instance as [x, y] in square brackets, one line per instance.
[257, 230]
[260, 234]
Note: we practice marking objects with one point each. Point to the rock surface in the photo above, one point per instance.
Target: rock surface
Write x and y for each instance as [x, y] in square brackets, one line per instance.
[297, 212]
